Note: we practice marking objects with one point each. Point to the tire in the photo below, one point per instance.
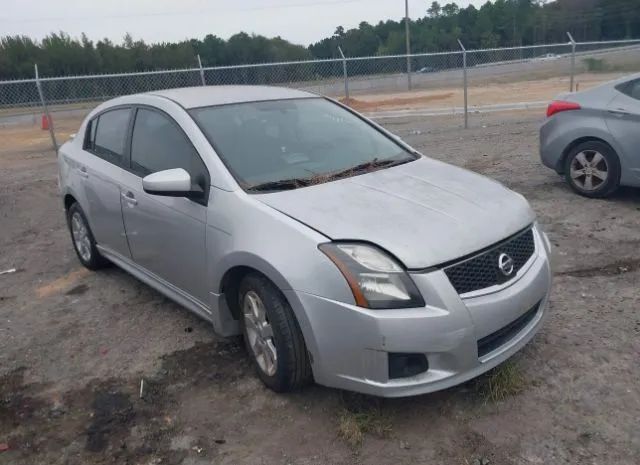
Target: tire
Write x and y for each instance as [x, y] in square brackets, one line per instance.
[83, 241]
[587, 164]
[277, 330]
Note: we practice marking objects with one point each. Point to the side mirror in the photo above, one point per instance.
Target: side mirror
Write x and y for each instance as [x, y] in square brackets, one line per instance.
[169, 183]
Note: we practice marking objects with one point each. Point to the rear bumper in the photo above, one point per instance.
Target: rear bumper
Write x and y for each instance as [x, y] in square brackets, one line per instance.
[350, 346]
[553, 143]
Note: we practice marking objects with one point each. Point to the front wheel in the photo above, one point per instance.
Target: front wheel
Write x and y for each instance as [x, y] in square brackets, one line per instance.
[272, 335]
[592, 169]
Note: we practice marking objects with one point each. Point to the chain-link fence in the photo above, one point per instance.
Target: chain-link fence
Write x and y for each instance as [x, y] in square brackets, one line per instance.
[459, 81]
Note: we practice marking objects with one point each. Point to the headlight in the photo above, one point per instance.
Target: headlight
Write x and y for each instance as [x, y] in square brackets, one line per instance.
[544, 235]
[376, 279]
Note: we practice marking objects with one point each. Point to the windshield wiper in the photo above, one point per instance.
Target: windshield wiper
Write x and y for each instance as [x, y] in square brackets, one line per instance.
[296, 183]
[281, 185]
[369, 166]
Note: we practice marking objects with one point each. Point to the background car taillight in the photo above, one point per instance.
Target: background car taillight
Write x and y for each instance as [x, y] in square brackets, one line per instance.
[558, 106]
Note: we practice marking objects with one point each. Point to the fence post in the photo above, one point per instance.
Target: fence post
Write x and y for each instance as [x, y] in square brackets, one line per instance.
[346, 75]
[464, 78]
[407, 27]
[45, 109]
[573, 61]
[204, 82]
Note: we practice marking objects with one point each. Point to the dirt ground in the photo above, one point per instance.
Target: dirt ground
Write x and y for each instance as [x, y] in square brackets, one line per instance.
[75, 345]
[538, 90]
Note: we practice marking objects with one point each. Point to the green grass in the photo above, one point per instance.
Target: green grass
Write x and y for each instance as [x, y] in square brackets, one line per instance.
[504, 381]
[595, 64]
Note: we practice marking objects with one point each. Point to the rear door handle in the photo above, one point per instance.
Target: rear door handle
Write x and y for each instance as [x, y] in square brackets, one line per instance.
[83, 172]
[129, 198]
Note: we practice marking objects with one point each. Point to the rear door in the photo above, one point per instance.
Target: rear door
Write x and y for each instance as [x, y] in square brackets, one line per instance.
[167, 235]
[101, 171]
[624, 122]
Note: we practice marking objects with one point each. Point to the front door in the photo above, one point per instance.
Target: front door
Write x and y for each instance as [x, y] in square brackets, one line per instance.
[166, 235]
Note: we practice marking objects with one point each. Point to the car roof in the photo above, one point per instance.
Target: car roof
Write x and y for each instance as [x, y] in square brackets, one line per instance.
[628, 77]
[205, 96]
[598, 95]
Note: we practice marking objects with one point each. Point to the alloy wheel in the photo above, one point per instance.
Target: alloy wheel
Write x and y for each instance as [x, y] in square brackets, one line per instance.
[81, 238]
[589, 170]
[259, 333]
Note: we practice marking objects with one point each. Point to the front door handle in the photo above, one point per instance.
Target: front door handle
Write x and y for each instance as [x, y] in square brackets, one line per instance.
[129, 198]
[620, 112]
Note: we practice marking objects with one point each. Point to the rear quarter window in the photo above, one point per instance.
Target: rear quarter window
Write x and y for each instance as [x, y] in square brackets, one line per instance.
[107, 133]
[90, 137]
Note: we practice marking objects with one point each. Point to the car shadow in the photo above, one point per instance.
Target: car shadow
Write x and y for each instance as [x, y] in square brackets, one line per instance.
[627, 194]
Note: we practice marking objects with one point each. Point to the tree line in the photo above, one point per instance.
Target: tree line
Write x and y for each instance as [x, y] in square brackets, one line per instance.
[501, 23]
[496, 24]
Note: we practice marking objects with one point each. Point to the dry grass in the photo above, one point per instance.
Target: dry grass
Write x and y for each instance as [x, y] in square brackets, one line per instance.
[397, 101]
[504, 381]
[353, 426]
[62, 284]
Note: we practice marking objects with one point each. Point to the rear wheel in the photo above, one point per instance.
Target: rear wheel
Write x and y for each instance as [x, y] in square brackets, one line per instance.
[272, 335]
[592, 169]
[83, 240]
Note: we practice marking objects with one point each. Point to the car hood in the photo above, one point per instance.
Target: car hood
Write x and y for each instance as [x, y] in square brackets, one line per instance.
[425, 212]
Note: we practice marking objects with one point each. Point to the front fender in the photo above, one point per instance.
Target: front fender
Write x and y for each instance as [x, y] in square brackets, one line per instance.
[223, 322]
[250, 260]
[244, 232]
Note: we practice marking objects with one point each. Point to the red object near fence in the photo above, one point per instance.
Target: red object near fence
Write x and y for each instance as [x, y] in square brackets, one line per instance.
[46, 122]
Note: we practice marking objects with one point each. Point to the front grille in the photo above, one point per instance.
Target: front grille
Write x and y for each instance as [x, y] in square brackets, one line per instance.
[494, 340]
[482, 270]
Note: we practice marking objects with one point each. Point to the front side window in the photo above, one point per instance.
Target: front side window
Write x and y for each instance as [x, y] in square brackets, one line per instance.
[157, 144]
[286, 144]
[108, 133]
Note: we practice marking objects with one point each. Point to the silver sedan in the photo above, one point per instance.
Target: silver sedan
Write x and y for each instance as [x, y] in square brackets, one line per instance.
[341, 254]
[593, 137]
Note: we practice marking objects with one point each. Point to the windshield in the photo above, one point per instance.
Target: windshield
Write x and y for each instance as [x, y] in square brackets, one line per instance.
[287, 144]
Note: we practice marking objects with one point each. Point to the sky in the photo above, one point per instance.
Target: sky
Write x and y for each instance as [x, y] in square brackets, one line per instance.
[299, 21]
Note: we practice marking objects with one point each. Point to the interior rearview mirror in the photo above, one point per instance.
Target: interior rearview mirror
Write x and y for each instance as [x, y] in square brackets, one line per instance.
[170, 183]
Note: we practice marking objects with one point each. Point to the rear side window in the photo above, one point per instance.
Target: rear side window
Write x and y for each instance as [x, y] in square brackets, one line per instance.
[631, 88]
[106, 135]
[158, 144]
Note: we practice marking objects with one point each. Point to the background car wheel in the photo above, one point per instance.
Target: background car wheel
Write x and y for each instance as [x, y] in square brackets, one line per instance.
[83, 241]
[272, 335]
[592, 169]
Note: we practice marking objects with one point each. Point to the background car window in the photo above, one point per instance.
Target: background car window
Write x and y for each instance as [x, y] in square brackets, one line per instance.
[632, 89]
[158, 144]
[109, 132]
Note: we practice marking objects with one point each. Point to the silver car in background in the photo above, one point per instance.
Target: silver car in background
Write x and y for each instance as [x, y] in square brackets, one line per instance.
[339, 252]
[593, 137]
